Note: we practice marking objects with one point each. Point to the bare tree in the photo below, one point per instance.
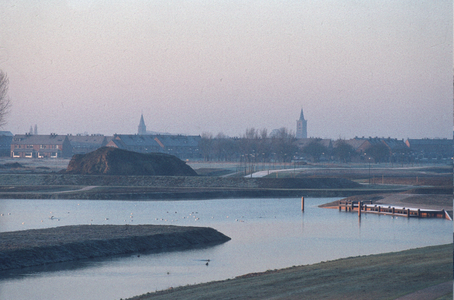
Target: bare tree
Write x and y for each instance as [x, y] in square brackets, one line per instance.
[344, 151]
[5, 103]
[379, 152]
[315, 149]
[283, 144]
[206, 145]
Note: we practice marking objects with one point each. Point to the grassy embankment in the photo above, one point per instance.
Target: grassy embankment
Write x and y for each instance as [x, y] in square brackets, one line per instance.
[382, 276]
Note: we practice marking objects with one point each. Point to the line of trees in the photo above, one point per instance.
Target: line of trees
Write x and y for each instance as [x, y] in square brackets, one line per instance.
[254, 146]
[344, 152]
[257, 146]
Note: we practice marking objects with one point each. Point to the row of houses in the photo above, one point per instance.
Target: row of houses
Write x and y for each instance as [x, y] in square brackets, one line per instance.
[54, 145]
[188, 147]
[65, 146]
[411, 149]
[182, 146]
[423, 150]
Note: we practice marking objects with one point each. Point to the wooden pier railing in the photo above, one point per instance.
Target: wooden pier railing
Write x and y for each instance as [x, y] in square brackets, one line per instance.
[362, 207]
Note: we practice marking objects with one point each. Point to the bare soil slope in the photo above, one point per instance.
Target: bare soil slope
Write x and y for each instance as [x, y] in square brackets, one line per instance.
[112, 161]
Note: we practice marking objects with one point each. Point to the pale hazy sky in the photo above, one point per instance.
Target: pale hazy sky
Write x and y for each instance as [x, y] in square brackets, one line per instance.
[358, 68]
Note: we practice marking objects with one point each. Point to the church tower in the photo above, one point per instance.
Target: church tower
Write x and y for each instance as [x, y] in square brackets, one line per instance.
[301, 127]
[142, 127]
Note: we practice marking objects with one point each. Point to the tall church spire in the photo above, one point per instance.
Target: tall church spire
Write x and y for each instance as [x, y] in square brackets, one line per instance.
[301, 127]
[142, 128]
[302, 115]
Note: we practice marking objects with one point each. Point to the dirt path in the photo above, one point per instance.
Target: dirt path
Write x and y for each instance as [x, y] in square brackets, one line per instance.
[382, 276]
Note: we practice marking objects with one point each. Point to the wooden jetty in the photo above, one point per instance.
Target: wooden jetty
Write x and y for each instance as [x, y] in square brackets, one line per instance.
[384, 209]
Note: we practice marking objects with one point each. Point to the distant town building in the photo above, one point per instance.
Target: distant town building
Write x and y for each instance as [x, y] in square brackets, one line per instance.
[182, 146]
[40, 146]
[396, 145]
[301, 127]
[82, 144]
[431, 149]
[142, 127]
[359, 145]
[6, 137]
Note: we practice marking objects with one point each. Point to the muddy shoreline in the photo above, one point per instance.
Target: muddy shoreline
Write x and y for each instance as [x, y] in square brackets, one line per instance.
[406, 199]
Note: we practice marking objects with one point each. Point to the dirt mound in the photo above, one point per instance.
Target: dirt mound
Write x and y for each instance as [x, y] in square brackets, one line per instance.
[112, 161]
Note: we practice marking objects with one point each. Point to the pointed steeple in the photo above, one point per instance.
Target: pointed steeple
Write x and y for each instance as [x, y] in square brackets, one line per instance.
[142, 122]
[142, 128]
[301, 127]
[302, 115]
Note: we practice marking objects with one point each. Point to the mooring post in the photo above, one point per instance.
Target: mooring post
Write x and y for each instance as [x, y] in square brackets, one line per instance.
[302, 203]
[360, 203]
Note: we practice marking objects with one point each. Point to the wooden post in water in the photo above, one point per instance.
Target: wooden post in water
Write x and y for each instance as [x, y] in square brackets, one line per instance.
[302, 203]
[360, 204]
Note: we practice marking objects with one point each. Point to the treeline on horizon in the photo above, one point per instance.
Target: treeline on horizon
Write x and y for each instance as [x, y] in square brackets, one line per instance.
[258, 146]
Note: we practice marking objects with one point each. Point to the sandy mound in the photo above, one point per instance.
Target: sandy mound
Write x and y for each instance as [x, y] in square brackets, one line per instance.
[112, 161]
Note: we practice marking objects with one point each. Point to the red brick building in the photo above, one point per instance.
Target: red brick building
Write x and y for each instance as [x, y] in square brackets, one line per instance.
[40, 146]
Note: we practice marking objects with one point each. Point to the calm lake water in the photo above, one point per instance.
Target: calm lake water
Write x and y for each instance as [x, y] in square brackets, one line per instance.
[266, 234]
